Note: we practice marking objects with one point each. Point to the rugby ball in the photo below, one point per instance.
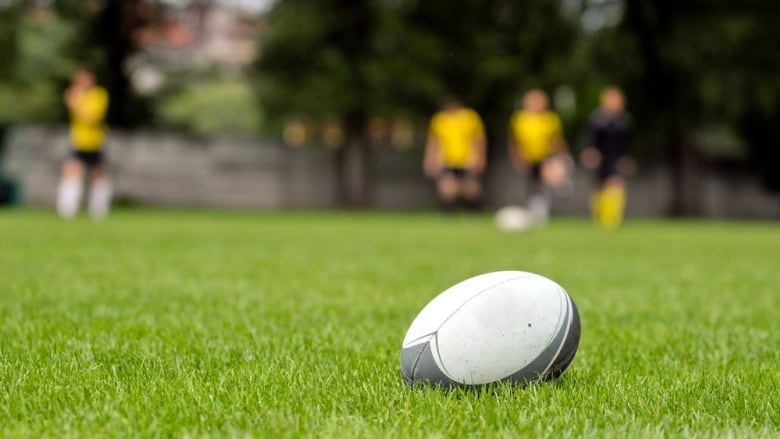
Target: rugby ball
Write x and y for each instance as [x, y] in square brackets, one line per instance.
[514, 219]
[509, 326]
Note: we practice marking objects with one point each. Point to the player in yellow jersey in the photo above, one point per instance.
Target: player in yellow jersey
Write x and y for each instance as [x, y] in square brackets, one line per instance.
[536, 135]
[455, 155]
[87, 104]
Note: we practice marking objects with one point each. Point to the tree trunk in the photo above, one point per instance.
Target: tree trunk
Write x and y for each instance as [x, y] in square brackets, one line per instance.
[662, 88]
[685, 180]
[353, 174]
[114, 32]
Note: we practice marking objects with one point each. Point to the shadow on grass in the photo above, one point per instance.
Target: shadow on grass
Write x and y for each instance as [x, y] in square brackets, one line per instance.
[495, 388]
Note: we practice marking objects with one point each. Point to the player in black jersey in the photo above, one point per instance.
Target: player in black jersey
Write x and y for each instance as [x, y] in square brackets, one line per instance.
[609, 130]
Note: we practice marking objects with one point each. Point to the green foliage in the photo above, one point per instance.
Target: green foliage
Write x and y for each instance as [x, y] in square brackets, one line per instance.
[36, 102]
[44, 45]
[688, 63]
[290, 325]
[314, 56]
[335, 58]
[217, 106]
[10, 15]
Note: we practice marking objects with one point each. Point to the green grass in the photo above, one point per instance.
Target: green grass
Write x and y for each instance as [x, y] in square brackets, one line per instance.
[168, 323]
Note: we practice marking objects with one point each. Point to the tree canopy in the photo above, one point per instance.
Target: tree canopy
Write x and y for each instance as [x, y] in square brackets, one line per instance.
[697, 63]
[332, 57]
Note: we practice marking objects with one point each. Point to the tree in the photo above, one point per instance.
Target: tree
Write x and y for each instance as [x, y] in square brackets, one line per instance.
[484, 52]
[314, 62]
[112, 32]
[10, 16]
[352, 59]
[687, 63]
[37, 48]
[42, 42]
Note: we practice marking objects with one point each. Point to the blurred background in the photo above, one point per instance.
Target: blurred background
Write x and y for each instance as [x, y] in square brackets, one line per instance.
[325, 103]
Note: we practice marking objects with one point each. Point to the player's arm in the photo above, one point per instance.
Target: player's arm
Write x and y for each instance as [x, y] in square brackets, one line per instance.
[590, 157]
[559, 145]
[627, 134]
[561, 149]
[480, 147]
[432, 161]
[70, 97]
[515, 149]
[626, 164]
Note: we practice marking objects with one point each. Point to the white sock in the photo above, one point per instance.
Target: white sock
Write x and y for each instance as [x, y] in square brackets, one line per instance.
[69, 197]
[539, 208]
[100, 198]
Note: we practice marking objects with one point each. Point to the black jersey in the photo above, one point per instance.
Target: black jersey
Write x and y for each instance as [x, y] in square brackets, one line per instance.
[609, 133]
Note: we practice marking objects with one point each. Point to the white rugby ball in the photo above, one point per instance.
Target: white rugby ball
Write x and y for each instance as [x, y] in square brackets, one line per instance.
[514, 219]
[504, 326]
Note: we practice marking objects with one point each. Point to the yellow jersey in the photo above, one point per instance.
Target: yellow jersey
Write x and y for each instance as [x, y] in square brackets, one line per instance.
[457, 132]
[87, 129]
[534, 133]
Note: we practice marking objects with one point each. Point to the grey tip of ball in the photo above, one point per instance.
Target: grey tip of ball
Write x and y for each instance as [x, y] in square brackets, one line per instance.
[419, 367]
[570, 346]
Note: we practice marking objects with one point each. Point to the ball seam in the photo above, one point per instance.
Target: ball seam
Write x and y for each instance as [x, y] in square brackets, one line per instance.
[427, 343]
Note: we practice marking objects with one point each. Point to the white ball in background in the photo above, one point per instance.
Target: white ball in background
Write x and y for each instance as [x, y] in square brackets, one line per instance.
[514, 219]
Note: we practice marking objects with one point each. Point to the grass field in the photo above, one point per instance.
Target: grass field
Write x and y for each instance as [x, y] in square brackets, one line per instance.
[170, 323]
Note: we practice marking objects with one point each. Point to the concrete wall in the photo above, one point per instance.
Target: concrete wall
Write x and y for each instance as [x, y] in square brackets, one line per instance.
[165, 169]
[173, 170]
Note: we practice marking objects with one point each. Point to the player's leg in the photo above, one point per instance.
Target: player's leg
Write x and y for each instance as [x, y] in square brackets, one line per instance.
[537, 198]
[448, 188]
[609, 202]
[100, 192]
[471, 191]
[70, 188]
[612, 202]
[602, 174]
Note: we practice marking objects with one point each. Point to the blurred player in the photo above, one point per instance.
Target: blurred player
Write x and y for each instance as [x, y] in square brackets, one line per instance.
[455, 155]
[87, 104]
[536, 142]
[608, 139]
